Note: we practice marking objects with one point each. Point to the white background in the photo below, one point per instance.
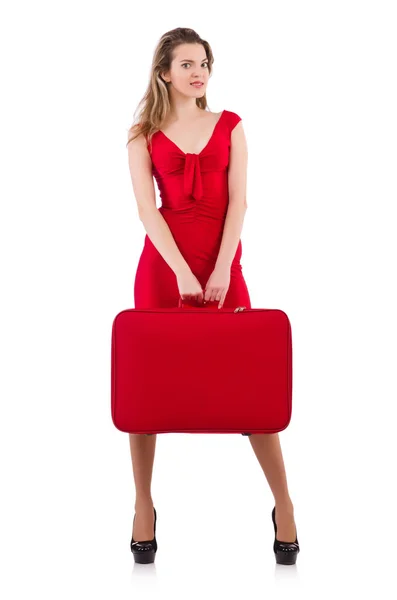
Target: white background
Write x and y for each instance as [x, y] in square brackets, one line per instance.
[315, 85]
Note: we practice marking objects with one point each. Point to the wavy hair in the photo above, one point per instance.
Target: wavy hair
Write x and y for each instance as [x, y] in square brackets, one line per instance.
[155, 106]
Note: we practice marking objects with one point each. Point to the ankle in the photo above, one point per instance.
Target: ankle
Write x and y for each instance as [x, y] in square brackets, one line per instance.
[143, 502]
[284, 505]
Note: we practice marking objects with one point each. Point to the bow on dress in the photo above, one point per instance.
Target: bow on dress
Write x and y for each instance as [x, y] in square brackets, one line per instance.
[192, 183]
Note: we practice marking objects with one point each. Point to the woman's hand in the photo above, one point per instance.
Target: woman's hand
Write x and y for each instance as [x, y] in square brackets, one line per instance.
[189, 287]
[217, 285]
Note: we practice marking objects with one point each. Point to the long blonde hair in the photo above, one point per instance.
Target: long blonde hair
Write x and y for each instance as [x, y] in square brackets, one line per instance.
[155, 105]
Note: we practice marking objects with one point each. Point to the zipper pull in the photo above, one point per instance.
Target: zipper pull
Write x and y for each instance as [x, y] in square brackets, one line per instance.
[239, 308]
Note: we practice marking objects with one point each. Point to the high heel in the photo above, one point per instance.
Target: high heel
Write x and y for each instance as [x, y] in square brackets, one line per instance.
[145, 552]
[286, 552]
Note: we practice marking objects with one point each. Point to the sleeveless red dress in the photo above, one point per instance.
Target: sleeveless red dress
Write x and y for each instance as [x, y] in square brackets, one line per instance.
[194, 193]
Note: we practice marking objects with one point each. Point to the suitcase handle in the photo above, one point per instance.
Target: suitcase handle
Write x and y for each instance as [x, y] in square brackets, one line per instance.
[197, 305]
[194, 304]
[185, 303]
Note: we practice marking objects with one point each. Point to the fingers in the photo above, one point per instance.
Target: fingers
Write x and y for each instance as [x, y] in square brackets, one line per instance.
[221, 301]
[213, 295]
[206, 297]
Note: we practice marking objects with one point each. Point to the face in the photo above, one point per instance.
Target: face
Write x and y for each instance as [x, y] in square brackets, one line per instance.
[189, 65]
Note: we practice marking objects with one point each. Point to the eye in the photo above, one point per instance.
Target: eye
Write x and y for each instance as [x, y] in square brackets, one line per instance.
[204, 63]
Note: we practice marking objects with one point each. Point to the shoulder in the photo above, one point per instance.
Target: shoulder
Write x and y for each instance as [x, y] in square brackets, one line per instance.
[232, 118]
[135, 138]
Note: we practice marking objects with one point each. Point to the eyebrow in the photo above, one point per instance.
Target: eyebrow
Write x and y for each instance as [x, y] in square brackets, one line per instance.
[190, 60]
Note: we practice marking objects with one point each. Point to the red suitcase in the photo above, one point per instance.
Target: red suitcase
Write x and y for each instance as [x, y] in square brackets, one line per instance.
[200, 369]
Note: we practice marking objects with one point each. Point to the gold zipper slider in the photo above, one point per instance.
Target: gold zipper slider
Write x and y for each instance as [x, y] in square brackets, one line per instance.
[240, 308]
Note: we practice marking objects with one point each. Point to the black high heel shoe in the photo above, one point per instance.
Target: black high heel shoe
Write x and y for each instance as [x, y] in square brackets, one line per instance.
[286, 552]
[145, 552]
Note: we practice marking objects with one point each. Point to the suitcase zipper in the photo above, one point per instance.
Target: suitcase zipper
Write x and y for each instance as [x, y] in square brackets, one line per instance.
[200, 310]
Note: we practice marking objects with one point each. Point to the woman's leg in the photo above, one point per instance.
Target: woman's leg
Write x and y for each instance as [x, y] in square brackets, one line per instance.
[268, 452]
[142, 449]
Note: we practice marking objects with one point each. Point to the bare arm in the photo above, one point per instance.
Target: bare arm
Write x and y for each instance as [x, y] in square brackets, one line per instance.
[140, 165]
[237, 182]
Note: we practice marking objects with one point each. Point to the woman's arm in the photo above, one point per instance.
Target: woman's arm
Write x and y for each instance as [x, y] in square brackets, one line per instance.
[237, 182]
[140, 165]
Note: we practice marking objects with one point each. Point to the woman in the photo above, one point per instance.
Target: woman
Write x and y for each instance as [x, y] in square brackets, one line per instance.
[192, 248]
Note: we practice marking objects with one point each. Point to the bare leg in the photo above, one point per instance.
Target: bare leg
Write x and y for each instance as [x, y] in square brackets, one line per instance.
[142, 449]
[268, 452]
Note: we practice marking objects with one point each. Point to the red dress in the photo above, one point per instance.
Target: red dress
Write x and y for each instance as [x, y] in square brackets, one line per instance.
[194, 193]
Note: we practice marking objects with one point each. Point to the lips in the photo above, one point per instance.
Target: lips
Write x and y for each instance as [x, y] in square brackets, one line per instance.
[197, 84]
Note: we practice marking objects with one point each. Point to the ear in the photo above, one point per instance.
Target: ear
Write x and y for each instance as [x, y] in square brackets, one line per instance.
[164, 76]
